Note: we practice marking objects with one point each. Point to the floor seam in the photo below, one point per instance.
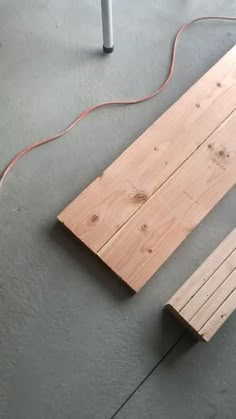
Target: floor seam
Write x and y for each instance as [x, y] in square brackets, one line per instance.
[148, 375]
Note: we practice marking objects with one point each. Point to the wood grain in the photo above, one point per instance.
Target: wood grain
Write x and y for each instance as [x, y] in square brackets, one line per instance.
[143, 244]
[214, 302]
[219, 318]
[208, 297]
[209, 288]
[208, 268]
[129, 182]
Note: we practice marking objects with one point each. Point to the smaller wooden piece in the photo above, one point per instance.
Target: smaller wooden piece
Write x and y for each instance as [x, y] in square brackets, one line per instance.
[208, 297]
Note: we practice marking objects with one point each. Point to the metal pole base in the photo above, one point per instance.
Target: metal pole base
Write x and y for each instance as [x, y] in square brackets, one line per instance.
[107, 26]
[108, 50]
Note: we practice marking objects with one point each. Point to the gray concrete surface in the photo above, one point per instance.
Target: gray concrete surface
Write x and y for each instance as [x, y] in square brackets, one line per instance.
[192, 382]
[74, 343]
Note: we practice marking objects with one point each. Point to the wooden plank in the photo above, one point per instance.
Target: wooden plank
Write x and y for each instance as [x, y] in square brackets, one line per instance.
[214, 302]
[143, 244]
[125, 186]
[204, 272]
[219, 318]
[208, 297]
[208, 289]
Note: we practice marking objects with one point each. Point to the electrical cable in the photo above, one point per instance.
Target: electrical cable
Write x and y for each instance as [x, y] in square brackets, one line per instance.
[114, 102]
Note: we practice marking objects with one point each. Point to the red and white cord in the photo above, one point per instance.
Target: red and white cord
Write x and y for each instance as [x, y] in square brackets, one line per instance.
[113, 102]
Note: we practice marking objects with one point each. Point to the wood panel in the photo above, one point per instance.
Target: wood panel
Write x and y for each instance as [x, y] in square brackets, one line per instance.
[215, 301]
[143, 244]
[204, 272]
[219, 318]
[210, 288]
[127, 184]
[208, 297]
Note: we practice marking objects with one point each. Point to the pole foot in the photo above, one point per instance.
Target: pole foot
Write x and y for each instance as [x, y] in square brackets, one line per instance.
[108, 50]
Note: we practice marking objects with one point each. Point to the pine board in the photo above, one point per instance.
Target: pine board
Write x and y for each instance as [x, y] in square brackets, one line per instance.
[214, 302]
[124, 215]
[140, 247]
[208, 297]
[205, 271]
[219, 318]
[121, 190]
[192, 310]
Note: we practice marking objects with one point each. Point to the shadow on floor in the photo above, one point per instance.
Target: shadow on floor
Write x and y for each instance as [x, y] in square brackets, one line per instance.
[76, 250]
[167, 322]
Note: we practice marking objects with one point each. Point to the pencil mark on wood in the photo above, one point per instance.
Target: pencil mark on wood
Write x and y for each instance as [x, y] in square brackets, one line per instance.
[189, 196]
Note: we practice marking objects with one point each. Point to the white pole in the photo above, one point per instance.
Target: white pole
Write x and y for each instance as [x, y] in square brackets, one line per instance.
[107, 26]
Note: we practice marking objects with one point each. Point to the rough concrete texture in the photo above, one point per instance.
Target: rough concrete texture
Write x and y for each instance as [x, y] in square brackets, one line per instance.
[74, 343]
[192, 382]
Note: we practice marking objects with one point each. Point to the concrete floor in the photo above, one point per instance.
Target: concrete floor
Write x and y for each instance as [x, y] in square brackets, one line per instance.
[73, 342]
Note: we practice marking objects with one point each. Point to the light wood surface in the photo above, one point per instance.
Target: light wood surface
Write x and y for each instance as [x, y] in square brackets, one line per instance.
[209, 288]
[143, 244]
[204, 272]
[214, 302]
[209, 304]
[128, 183]
[150, 199]
[219, 318]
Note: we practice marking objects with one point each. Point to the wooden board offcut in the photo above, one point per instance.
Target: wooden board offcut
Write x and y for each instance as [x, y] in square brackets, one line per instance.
[208, 297]
[148, 200]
